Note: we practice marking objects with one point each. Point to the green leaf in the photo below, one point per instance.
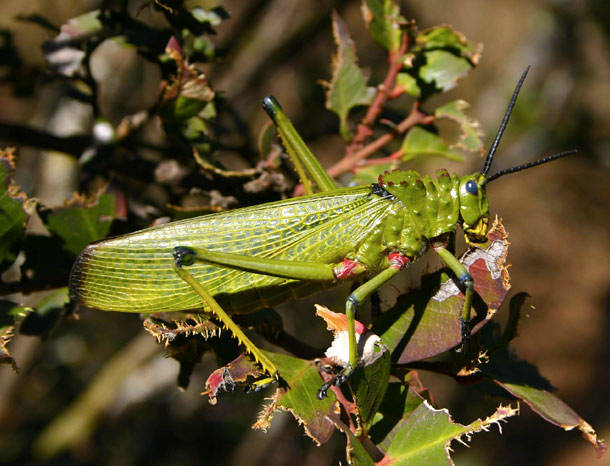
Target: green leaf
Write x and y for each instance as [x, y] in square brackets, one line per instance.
[303, 381]
[355, 452]
[408, 84]
[420, 142]
[445, 37]
[81, 221]
[555, 411]
[370, 384]
[46, 314]
[12, 212]
[398, 403]
[384, 21]
[470, 138]
[443, 69]
[424, 436]
[522, 379]
[426, 322]
[347, 88]
[370, 173]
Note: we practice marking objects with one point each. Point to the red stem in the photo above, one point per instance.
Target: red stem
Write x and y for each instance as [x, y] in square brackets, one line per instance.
[348, 163]
[384, 91]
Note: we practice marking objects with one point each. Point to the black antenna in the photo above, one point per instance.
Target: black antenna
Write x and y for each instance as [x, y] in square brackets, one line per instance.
[525, 166]
[509, 110]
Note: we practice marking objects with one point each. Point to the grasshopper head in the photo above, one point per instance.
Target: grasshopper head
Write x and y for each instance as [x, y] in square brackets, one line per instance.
[474, 207]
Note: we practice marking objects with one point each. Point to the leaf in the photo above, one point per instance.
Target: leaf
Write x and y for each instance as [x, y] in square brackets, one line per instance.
[13, 211]
[470, 139]
[420, 142]
[369, 384]
[408, 84]
[355, 452]
[426, 322]
[445, 37]
[383, 21]
[299, 398]
[424, 436]
[555, 411]
[45, 315]
[399, 402]
[347, 88]
[522, 380]
[81, 221]
[443, 69]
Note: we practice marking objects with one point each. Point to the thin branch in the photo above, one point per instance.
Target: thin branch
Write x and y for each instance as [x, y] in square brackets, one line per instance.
[348, 163]
[384, 91]
[27, 136]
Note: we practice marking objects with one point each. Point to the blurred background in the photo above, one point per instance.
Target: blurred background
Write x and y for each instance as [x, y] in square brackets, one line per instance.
[557, 217]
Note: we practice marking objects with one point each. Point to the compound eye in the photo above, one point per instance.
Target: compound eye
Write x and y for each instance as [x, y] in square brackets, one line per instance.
[471, 187]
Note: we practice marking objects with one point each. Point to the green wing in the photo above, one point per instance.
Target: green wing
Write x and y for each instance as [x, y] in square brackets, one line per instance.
[133, 273]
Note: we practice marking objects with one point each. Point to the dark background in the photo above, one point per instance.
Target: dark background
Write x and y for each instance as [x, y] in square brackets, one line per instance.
[557, 217]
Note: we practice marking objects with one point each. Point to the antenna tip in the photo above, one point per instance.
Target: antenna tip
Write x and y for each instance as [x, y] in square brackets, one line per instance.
[271, 106]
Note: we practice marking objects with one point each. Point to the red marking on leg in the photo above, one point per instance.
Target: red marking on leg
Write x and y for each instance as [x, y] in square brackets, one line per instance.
[398, 260]
[346, 269]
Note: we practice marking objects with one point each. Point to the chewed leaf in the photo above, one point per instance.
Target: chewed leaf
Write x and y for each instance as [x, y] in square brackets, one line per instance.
[408, 84]
[420, 142]
[426, 322]
[443, 69]
[227, 377]
[384, 21]
[347, 88]
[355, 452]
[522, 379]
[445, 37]
[424, 436]
[13, 211]
[81, 221]
[470, 138]
[555, 411]
[299, 397]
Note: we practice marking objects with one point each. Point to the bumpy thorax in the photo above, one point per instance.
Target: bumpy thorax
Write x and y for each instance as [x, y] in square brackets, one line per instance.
[430, 207]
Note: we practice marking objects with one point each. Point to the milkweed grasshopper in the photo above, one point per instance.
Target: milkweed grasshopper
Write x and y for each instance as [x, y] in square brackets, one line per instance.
[260, 256]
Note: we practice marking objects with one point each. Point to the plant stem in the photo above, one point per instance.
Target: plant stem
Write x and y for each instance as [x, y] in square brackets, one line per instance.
[348, 163]
[383, 93]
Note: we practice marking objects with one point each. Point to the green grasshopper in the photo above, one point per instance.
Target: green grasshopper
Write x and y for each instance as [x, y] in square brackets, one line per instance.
[255, 257]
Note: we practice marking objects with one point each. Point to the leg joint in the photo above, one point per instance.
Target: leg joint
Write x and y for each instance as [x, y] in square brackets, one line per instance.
[183, 256]
[353, 301]
[466, 280]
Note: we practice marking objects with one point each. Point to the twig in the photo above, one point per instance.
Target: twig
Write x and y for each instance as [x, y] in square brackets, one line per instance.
[348, 163]
[26, 136]
[384, 91]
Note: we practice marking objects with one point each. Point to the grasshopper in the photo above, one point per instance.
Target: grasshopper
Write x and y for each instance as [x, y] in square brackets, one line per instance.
[255, 257]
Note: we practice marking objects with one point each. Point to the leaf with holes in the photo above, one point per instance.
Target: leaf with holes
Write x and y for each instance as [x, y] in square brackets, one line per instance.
[470, 138]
